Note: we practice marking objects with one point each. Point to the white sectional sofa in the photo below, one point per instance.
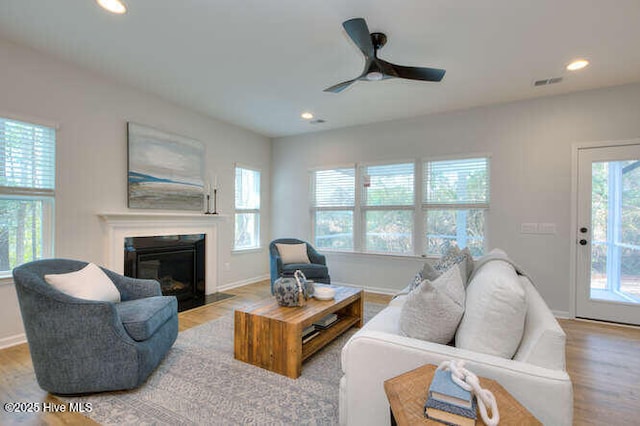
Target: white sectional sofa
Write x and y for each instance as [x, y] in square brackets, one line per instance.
[535, 376]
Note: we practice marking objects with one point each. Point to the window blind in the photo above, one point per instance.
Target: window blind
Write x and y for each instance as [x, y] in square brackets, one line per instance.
[388, 185]
[247, 189]
[334, 188]
[456, 182]
[27, 155]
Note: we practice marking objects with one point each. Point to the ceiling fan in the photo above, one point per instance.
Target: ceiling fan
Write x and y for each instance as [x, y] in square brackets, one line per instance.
[374, 67]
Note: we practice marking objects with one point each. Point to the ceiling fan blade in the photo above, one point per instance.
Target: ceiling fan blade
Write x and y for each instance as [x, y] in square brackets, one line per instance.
[415, 73]
[340, 86]
[357, 29]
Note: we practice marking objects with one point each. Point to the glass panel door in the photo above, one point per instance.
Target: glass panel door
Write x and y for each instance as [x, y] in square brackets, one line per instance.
[615, 220]
[609, 234]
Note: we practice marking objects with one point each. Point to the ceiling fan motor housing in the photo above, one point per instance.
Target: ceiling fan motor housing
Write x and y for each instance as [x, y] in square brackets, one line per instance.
[378, 40]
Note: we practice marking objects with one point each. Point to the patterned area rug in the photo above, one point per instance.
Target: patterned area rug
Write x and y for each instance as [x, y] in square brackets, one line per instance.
[201, 383]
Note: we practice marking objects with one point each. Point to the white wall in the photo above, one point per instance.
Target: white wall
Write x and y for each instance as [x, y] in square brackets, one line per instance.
[92, 112]
[530, 145]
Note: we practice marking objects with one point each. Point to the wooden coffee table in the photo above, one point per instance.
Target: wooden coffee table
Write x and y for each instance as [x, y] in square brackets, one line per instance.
[270, 336]
[407, 394]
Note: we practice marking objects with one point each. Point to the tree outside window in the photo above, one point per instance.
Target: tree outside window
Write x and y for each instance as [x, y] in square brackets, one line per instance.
[27, 184]
[247, 209]
[374, 208]
[454, 205]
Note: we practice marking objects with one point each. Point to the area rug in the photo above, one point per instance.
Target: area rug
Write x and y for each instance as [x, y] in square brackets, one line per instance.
[200, 382]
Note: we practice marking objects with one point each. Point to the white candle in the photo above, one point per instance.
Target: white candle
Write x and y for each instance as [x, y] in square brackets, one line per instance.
[215, 181]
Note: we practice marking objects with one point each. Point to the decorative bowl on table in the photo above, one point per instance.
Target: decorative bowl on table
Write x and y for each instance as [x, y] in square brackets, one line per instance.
[324, 293]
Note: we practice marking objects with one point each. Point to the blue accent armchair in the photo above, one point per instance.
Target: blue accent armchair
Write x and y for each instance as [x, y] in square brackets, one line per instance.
[316, 270]
[83, 346]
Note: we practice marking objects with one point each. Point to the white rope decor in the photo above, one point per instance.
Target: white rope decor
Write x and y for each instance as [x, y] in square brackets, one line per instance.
[469, 381]
[300, 279]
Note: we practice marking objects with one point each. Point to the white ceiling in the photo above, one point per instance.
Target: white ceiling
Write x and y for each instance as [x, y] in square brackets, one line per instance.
[259, 64]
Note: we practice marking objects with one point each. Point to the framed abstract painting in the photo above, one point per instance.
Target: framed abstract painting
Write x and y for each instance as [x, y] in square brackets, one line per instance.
[166, 171]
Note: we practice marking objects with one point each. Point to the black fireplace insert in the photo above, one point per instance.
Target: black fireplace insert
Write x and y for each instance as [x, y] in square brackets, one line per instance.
[175, 261]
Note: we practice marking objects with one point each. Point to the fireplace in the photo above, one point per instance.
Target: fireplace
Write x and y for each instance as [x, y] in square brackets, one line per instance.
[177, 262]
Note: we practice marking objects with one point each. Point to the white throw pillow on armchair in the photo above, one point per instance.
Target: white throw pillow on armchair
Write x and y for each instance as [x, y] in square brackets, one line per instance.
[89, 283]
[293, 253]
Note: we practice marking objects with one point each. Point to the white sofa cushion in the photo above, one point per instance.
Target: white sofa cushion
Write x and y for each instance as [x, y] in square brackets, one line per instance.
[495, 310]
[433, 310]
[293, 253]
[89, 283]
[370, 357]
[545, 340]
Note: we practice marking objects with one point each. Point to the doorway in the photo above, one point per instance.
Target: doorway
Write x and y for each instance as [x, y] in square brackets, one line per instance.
[608, 234]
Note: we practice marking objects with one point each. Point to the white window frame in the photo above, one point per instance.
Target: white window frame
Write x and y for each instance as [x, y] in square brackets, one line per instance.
[315, 209]
[426, 206]
[364, 208]
[46, 196]
[255, 211]
[419, 208]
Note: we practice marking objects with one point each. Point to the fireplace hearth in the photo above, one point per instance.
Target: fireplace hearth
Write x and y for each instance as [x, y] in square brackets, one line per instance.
[175, 261]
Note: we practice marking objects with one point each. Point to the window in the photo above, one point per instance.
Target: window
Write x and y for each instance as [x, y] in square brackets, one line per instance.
[247, 212]
[27, 184]
[377, 209]
[333, 208]
[388, 206]
[454, 204]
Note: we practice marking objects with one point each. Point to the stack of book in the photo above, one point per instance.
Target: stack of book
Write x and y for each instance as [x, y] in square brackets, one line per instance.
[326, 321]
[449, 403]
[309, 333]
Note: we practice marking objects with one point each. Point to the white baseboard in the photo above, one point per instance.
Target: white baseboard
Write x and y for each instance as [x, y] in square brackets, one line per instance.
[368, 289]
[7, 342]
[236, 284]
[562, 314]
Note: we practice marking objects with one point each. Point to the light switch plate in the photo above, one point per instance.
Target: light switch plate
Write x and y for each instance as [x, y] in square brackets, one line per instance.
[547, 228]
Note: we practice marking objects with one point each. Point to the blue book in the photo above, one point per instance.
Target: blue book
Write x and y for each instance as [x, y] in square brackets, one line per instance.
[444, 389]
[435, 409]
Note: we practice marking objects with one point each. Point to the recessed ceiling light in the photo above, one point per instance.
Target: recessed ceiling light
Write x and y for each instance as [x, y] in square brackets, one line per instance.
[578, 64]
[306, 115]
[113, 6]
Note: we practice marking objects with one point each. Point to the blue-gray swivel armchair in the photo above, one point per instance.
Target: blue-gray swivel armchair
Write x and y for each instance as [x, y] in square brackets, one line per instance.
[83, 346]
[316, 270]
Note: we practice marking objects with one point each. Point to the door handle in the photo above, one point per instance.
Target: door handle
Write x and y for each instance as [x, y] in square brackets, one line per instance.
[583, 242]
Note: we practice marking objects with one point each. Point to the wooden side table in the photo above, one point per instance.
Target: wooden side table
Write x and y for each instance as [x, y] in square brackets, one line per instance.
[407, 394]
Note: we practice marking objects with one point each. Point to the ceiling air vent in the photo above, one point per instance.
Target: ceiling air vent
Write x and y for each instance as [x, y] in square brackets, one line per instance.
[318, 121]
[547, 81]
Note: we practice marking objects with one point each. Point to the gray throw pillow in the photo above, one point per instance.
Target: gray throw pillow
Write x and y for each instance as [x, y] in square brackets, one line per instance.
[434, 309]
[416, 281]
[455, 256]
[429, 272]
[468, 260]
[448, 259]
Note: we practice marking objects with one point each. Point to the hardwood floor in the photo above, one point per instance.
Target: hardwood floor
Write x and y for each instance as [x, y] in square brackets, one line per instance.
[604, 365]
[602, 360]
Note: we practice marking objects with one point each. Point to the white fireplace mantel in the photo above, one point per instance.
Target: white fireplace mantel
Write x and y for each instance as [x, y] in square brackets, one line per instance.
[119, 226]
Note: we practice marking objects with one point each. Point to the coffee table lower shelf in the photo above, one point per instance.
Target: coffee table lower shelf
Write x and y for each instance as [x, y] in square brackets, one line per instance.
[327, 335]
